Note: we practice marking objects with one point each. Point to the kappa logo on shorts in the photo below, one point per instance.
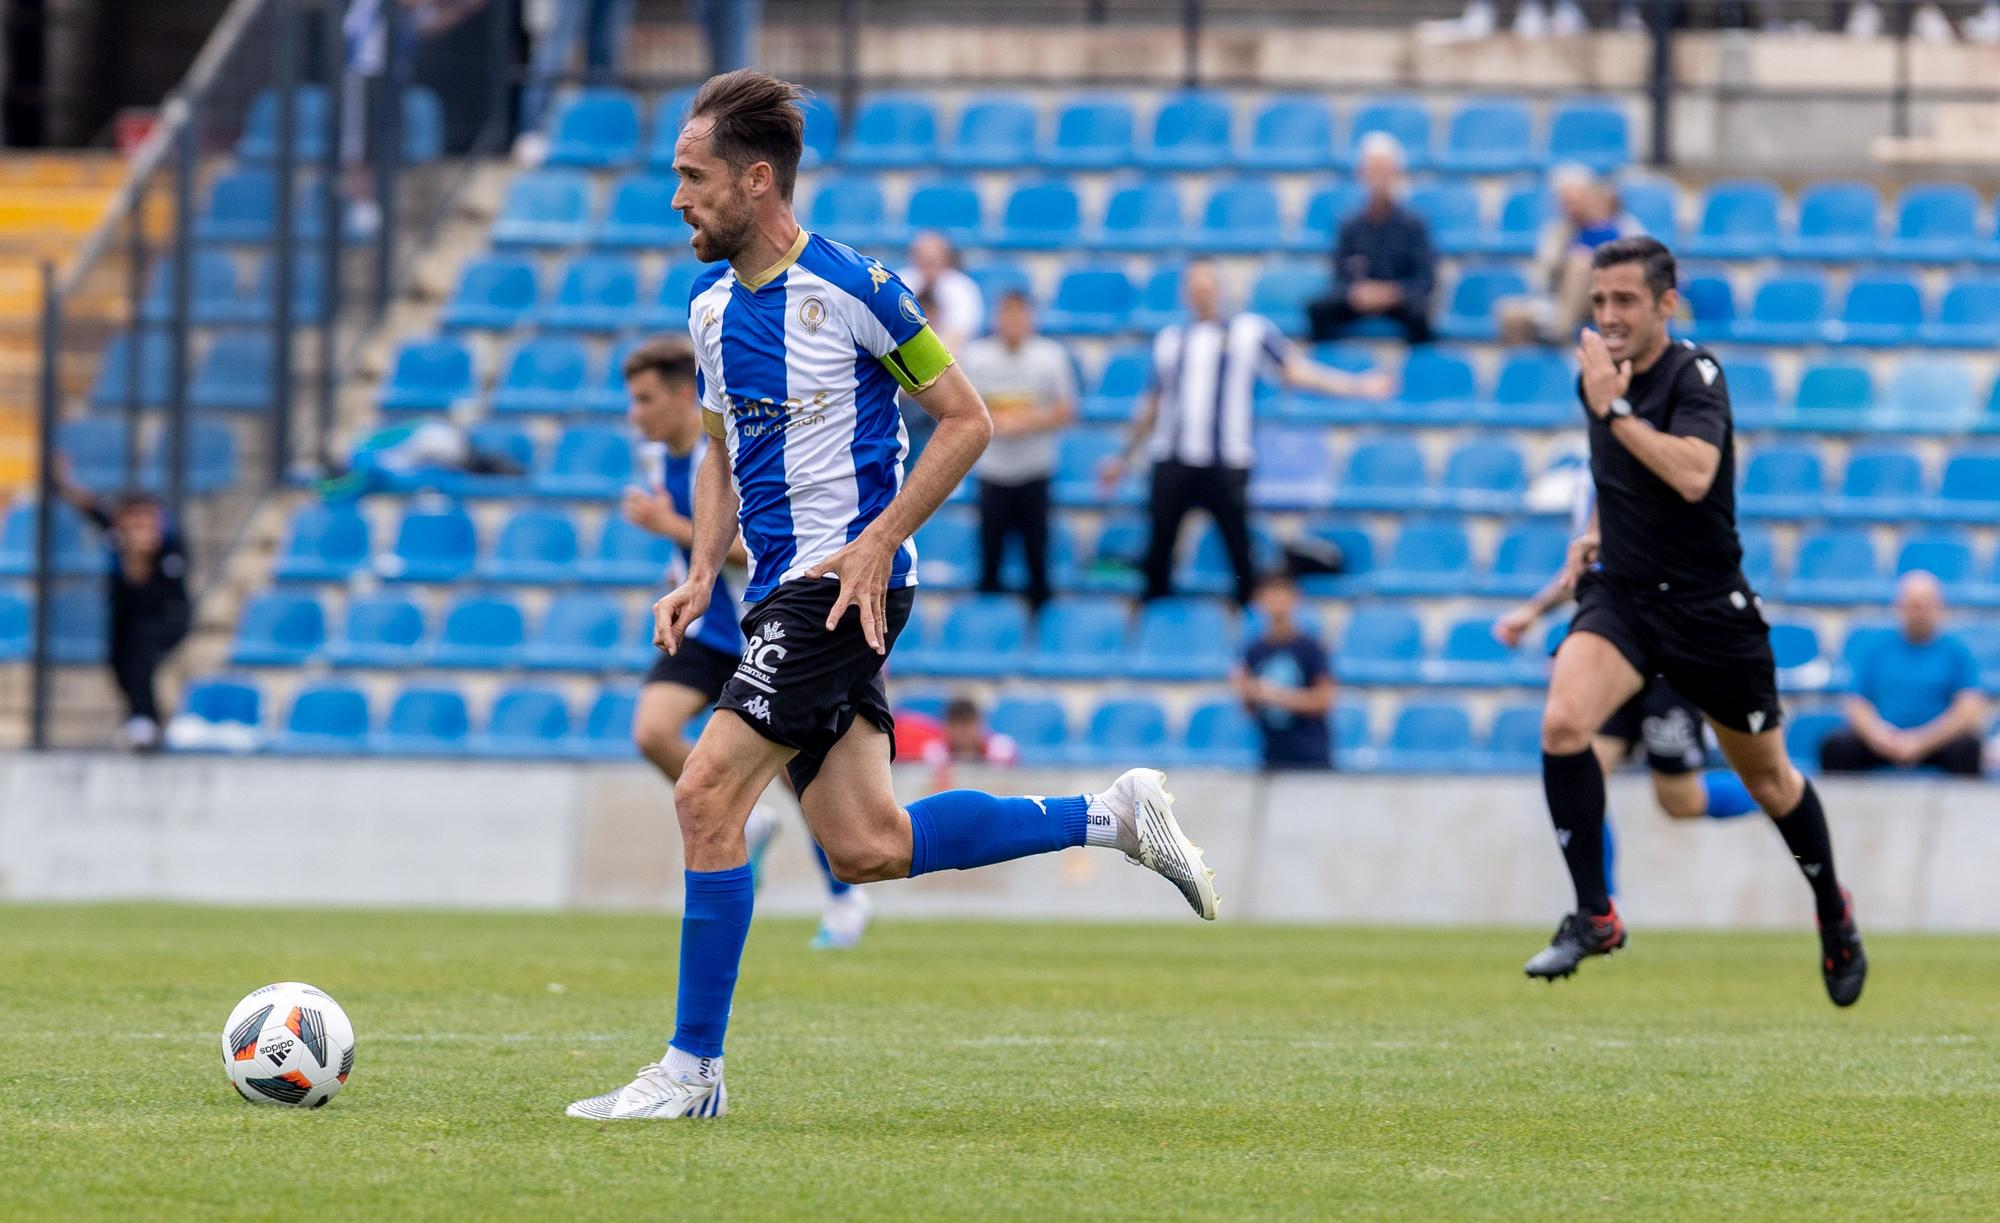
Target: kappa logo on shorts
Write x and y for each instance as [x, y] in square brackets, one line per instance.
[761, 657]
[759, 708]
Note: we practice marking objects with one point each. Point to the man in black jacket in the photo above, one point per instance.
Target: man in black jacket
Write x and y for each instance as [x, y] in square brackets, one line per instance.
[1383, 264]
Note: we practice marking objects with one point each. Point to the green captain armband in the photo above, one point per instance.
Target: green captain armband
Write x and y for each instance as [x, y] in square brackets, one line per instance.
[919, 361]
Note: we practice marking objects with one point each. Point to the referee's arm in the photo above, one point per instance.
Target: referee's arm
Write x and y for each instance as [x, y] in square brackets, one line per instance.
[1684, 462]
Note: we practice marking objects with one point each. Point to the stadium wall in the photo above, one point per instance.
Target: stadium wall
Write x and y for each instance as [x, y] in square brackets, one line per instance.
[1428, 850]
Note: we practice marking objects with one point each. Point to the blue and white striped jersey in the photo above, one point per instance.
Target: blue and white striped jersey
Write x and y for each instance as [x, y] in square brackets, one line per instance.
[1205, 376]
[798, 371]
[720, 626]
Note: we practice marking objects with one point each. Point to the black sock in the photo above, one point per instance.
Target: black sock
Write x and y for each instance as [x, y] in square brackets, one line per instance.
[1575, 789]
[1805, 835]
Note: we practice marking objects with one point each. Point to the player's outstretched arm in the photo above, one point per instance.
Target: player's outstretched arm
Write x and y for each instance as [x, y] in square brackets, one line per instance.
[715, 509]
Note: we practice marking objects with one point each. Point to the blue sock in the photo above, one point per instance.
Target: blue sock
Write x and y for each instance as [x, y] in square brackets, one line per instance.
[1610, 862]
[1727, 795]
[960, 829]
[834, 887]
[713, 927]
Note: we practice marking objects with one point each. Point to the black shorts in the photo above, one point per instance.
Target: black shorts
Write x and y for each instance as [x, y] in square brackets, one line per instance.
[700, 667]
[801, 686]
[1715, 650]
[1663, 723]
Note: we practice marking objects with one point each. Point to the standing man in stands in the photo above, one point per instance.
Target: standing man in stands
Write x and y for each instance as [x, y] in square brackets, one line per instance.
[1383, 264]
[1660, 590]
[1195, 420]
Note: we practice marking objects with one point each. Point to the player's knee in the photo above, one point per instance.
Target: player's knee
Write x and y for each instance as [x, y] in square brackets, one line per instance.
[701, 802]
[1564, 731]
[867, 852]
[1776, 789]
[1683, 803]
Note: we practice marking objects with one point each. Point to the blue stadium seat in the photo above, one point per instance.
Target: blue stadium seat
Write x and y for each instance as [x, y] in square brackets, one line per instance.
[1428, 558]
[669, 113]
[1095, 299]
[237, 374]
[1837, 565]
[1592, 132]
[213, 297]
[98, 451]
[1182, 639]
[1783, 481]
[1293, 470]
[1114, 396]
[1789, 308]
[668, 308]
[259, 141]
[1968, 315]
[1655, 203]
[1326, 209]
[1079, 453]
[1760, 555]
[496, 291]
[1471, 315]
[1969, 490]
[1795, 650]
[1289, 132]
[1282, 293]
[1943, 553]
[1190, 132]
[1160, 302]
[525, 723]
[545, 208]
[1350, 356]
[1473, 657]
[626, 555]
[424, 721]
[948, 552]
[1450, 208]
[822, 133]
[535, 547]
[384, 631]
[242, 207]
[1115, 555]
[113, 384]
[498, 438]
[1381, 645]
[309, 292]
[228, 712]
[641, 215]
[597, 128]
[1080, 637]
[1383, 473]
[1526, 558]
[1881, 308]
[1356, 549]
[278, 630]
[1430, 737]
[1837, 221]
[1882, 482]
[1123, 729]
[1514, 741]
[1142, 215]
[580, 632]
[326, 543]
[76, 552]
[544, 374]
[429, 376]
[1205, 569]
[16, 627]
[1092, 132]
[432, 545]
[326, 719]
[893, 131]
[1935, 223]
[1351, 743]
[1488, 477]
[996, 278]
[1221, 735]
[1930, 394]
[607, 726]
[1039, 215]
[980, 635]
[423, 125]
[1833, 395]
[1439, 387]
[1536, 389]
[589, 461]
[479, 632]
[948, 205]
[1489, 136]
[1753, 389]
[1405, 118]
[1710, 294]
[1739, 220]
[1804, 732]
[211, 459]
[79, 628]
[1241, 216]
[1523, 212]
[1038, 727]
[995, 132]
[596, 293]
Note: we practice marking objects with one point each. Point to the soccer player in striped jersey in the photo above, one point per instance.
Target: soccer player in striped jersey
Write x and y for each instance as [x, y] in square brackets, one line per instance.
[663, 407]
[803, 345]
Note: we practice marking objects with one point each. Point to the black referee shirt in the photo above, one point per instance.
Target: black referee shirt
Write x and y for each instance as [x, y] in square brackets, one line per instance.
[1651, 538]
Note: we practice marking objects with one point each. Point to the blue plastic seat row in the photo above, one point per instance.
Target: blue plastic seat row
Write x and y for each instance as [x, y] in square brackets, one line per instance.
[216, 295]
[97, 448]
[440, 544]
[600, 128]
[422, 126]
[330, 718]
[599, 293]
[1878, 308]
[234, 373]
[579, 632]
[1842, 220]
[78, 626]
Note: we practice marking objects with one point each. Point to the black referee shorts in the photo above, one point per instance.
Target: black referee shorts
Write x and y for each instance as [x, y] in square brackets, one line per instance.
[1713, 649]
[801, 686]
[1663, 723]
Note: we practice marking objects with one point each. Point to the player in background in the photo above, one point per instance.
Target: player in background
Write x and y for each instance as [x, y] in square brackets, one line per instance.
[1660, 590]
[662, 408]
[802, 346]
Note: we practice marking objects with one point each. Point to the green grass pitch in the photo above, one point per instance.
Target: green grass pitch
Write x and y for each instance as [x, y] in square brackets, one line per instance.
[973, 1070]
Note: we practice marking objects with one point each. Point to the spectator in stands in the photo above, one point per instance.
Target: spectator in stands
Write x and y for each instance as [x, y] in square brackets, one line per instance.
[1030, 388]
[961, 738]
[1383, 264]
[1589, 213]
[1916, 697]
[147, 591]
[403, 458]
[959, 311]
[1195, 420]
[1286, 682]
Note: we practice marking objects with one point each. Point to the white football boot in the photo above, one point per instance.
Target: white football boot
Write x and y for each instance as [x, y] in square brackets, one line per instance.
[843, 921]
[657, 1094]
[1150, 837]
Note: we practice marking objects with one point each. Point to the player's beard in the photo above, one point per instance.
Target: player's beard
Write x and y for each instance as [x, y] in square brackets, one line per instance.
[724, 236]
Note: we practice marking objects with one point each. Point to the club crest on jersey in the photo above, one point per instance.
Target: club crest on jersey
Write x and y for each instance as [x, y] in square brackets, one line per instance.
[878, 274]
[812, 313]
[912, 311]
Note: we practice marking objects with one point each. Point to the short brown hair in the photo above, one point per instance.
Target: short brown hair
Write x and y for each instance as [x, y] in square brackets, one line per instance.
[672, 359]
[757, 118]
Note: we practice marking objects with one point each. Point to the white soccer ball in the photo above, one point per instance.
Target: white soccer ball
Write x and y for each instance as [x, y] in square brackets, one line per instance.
[288, 1044]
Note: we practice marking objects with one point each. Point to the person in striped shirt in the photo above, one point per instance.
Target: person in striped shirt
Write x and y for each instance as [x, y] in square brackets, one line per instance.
[802, 345]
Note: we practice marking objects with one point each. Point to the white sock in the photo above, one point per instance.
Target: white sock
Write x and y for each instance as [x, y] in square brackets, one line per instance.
[678, 1062]
[1100, 825]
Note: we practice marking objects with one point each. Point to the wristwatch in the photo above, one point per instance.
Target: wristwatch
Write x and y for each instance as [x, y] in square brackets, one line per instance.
[1620, 406]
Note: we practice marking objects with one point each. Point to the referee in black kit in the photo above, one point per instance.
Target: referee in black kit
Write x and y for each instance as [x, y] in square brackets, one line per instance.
[1660, 590]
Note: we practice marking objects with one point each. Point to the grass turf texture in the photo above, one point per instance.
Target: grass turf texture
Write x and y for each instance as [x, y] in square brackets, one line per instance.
[987, 1070]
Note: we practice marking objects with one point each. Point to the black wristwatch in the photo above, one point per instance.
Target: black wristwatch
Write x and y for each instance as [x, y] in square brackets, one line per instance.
[1620, 406]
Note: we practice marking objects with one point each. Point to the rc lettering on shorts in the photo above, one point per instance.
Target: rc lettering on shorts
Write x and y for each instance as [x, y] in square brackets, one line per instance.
[761, 657]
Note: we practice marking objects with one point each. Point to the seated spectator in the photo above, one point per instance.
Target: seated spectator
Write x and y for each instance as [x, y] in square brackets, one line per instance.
[1588, 214]
[1030, 388]
[961, 738]
[1286, 682]
[1916, 697]
[1383, 264]
[407, 457]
